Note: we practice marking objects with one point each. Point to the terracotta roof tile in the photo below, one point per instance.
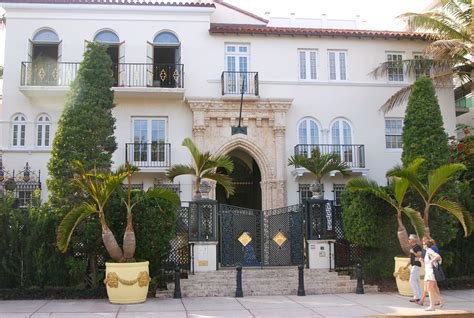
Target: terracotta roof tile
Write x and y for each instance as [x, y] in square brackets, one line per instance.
[116, 2]
[252, 29]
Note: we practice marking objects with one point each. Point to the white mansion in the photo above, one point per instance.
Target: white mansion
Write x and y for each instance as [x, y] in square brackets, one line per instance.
[179, 70]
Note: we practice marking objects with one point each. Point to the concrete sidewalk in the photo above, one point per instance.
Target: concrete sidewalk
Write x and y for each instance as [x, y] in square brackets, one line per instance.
[458, 304]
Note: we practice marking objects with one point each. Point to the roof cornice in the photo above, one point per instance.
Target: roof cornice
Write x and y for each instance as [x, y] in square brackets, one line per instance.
[114, 2]
[217, 28]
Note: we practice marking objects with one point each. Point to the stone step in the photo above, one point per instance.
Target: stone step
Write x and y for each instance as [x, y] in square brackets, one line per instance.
[266, 279]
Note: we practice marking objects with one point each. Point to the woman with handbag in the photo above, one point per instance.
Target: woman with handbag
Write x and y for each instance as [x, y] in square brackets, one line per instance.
[431, 261]
[425, 291]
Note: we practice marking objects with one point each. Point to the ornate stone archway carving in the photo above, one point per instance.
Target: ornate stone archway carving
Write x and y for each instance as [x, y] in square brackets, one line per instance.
[265, 140]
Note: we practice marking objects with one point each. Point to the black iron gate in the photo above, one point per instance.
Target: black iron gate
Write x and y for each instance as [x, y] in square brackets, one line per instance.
[261, 238]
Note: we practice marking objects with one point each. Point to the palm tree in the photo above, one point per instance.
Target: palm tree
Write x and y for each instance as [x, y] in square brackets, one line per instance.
[205, 166]
[429, 192]
[448, 25]
[98, 188]
[319, 165]
[395, 198]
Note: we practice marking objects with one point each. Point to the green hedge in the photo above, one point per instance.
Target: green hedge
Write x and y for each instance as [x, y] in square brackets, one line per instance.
[29, 258]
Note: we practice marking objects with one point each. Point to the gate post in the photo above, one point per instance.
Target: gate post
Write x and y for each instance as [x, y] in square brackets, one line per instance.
[238, 291]
[202, 222]
[301, 291]
[321, 233]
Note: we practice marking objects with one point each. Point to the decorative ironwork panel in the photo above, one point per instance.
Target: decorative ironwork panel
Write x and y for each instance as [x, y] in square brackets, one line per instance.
[240, 236]
[203, 220]
[283, 238]
[21, 184]
[320, 219]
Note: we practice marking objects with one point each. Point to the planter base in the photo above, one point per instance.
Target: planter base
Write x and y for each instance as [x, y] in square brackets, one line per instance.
[402, 276]
[127, 283]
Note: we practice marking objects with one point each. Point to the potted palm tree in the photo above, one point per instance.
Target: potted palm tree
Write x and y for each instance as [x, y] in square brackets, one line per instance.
[395, 196]
[402, 179]
[319, 165]
[126, 280]
[205, 166]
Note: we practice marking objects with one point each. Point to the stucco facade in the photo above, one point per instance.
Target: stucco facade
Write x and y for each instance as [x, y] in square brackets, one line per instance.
[199, 109]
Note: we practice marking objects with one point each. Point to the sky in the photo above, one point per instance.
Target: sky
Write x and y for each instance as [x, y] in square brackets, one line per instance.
[378, 14]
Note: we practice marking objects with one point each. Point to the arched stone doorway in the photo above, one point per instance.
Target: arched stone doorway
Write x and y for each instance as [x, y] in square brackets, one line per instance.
[246, 177]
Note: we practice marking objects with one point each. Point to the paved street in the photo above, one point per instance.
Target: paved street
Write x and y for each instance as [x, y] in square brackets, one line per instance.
[458, 304]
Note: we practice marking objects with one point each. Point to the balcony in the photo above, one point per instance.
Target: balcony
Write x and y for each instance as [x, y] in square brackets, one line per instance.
[352, 155]
[131, 79]
[233, 83]
[154, 155]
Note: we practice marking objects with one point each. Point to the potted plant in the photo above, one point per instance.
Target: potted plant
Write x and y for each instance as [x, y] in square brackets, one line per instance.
[319, 165]
[126, 280]
[205, 167]
[401, 180]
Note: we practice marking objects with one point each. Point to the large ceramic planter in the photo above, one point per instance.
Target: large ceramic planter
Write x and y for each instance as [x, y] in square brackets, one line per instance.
[402, 276]
[127, 283]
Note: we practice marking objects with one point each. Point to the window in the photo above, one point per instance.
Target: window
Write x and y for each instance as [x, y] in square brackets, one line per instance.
[18, 130]
[305, 193]
[166, 38]
[43, 131]
[308, 132]
[149, 137]
[46, 35]
[308, 64]
[338, 189]
[393, 133]
[341, 138]
[337, 65]
[419, 67]
[237, 62]
[107, 36]
[395, 70]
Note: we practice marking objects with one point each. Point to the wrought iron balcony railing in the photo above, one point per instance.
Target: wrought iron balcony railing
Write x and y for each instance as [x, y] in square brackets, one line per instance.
[233, 83]
[352, 155]
[149, 155]
[125, 74]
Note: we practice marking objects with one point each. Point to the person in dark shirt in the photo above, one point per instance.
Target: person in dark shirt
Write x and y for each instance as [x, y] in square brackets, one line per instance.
[415, 255]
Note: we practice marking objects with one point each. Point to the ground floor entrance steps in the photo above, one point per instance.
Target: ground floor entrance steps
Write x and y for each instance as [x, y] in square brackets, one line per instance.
[267, 282]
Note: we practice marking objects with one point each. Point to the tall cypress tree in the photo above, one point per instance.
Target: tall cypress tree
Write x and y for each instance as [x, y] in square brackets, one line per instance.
[86, 127]
[423, 132]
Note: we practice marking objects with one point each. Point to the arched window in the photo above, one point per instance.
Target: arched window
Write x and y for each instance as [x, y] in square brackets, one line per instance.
[43, 131]
[107, 36]
[341, 132]
[166, 38]
[18, 130]
[46, 35]
[308, 131]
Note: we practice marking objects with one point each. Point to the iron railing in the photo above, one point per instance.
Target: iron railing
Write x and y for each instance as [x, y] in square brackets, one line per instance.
[352, 155]
[125, 74]
[148, 155]
[235, 82]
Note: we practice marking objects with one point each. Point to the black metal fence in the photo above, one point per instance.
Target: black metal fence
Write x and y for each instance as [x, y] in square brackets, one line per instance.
[238, 82]
[352, 155]
[148, 155]
[54, 73]
[21, 184]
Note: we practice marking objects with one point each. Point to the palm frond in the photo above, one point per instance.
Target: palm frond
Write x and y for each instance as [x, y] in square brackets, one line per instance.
[222, 179]
[457, 210]
[410, 173]
[449, 51]
[164, 194]
[364, 184]
[319, 164]
[69, 223]
[443, 174]
[223, 161]
[400, 188]
[399, 98]
[195, 153]
[416, 220]
[179, 170]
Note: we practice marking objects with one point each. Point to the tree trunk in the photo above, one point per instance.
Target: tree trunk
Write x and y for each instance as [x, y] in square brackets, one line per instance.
[402, 235]
[111, 244]
[129, 244]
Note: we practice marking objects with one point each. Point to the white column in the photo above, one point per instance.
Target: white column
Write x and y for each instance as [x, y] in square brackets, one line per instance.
[205, 256]
[321, 254]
